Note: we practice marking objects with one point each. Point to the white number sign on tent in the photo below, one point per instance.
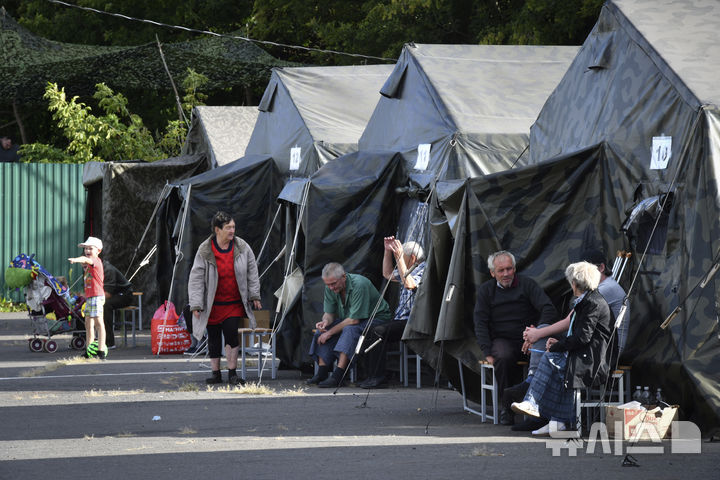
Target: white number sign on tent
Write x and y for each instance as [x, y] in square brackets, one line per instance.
[661, 150]
[423, 158]
[295, 158]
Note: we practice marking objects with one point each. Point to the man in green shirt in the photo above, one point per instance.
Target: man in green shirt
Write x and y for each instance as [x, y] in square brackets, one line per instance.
[348, 304]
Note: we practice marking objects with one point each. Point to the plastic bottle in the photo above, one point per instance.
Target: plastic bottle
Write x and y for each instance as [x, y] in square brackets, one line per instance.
[637, 394]
[659, 401]
[646, 398]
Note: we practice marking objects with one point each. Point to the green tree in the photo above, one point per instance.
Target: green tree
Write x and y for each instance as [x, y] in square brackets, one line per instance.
[115, 136]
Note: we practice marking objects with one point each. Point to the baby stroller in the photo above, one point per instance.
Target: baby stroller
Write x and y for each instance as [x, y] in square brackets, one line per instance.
[51, 308]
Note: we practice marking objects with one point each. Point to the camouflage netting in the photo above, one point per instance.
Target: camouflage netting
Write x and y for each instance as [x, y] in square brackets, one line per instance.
[29, 62]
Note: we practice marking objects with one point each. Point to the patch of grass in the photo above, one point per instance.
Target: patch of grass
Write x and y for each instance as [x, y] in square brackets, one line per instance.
[34, 372]
[88, 436]
[188, 387]
[254, 389]
[120, 393]
[79, 360]
[41, 396]
[247, 389]
[126, 434]
[296, 391]
[187, 431]
[94, 393]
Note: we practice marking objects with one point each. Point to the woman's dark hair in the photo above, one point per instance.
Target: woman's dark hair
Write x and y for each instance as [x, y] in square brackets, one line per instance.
[219, 220]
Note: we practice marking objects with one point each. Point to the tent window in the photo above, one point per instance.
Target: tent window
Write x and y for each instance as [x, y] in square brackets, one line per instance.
[601, 51]
[640, 222]
[266, 100]
[392, 89]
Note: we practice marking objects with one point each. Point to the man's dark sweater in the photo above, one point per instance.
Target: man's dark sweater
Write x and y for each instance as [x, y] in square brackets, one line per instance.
[505, 312]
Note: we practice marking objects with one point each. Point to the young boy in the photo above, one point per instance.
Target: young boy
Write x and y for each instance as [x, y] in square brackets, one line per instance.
[94, 277]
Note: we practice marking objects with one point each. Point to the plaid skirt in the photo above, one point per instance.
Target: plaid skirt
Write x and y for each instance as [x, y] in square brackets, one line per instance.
[547, 390]
[94, 306]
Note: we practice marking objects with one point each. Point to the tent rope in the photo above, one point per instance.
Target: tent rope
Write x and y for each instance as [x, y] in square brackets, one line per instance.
[277, 324]
[163, 194]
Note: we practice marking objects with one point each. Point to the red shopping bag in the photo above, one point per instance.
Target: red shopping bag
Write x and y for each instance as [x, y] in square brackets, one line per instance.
[164, 329]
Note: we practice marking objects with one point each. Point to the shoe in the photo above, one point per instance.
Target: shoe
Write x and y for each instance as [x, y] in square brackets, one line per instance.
[92, 350]
[506, 417]
[526, 408]
[111, 347]
[215, 379]
[528, 425]
[235, 380]
[329, 382]
[334, 380]
[102, 355]
[317, 378]
[374, 382]
[552, 426]
[320, 375]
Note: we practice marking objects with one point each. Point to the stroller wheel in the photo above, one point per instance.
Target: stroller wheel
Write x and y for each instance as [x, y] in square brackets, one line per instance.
[78, 343]
[36, 344]
[51, 346]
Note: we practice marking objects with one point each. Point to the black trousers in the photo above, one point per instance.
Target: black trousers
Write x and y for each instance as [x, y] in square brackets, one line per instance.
[506, 354]
[114, 302]
[377, 357]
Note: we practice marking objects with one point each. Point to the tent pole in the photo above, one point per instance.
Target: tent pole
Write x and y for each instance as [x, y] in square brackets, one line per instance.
[178, 257]
[288, 270]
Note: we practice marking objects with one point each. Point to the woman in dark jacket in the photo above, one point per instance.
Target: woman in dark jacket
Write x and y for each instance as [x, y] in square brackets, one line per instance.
[575, 361]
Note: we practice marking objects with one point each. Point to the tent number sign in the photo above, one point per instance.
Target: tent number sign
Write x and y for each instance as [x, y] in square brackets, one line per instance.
[295, 158]
[661, 149]
[423, 158]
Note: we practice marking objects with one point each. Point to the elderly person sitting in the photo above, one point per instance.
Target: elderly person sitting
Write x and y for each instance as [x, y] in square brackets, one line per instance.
[575, 361]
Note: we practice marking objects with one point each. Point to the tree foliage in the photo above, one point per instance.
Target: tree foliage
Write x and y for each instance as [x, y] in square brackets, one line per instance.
[116, 135]
[382, 27]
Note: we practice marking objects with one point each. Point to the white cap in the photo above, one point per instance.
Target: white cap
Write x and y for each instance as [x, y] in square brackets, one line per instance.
[91, 242]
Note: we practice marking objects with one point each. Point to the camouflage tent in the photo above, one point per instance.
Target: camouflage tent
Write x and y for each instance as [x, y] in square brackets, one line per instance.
[122, 197]
[632, 139]
[315, 113]
[29, 62]
[221, 133]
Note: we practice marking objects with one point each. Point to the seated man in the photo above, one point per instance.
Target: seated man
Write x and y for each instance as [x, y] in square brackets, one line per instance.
[506, 305]
[409, 271]
[118, 294]
[349, 301]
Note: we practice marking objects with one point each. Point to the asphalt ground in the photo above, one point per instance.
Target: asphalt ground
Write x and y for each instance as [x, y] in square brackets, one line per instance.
[137, 416]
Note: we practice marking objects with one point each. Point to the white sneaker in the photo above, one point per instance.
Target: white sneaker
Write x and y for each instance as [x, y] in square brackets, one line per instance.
[525, 408]
[553, 426]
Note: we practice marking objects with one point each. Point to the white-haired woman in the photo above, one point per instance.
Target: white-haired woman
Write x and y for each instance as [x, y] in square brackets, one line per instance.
[575, 361]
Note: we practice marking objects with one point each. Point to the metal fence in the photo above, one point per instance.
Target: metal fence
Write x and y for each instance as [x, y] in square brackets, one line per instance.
[43, 210]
